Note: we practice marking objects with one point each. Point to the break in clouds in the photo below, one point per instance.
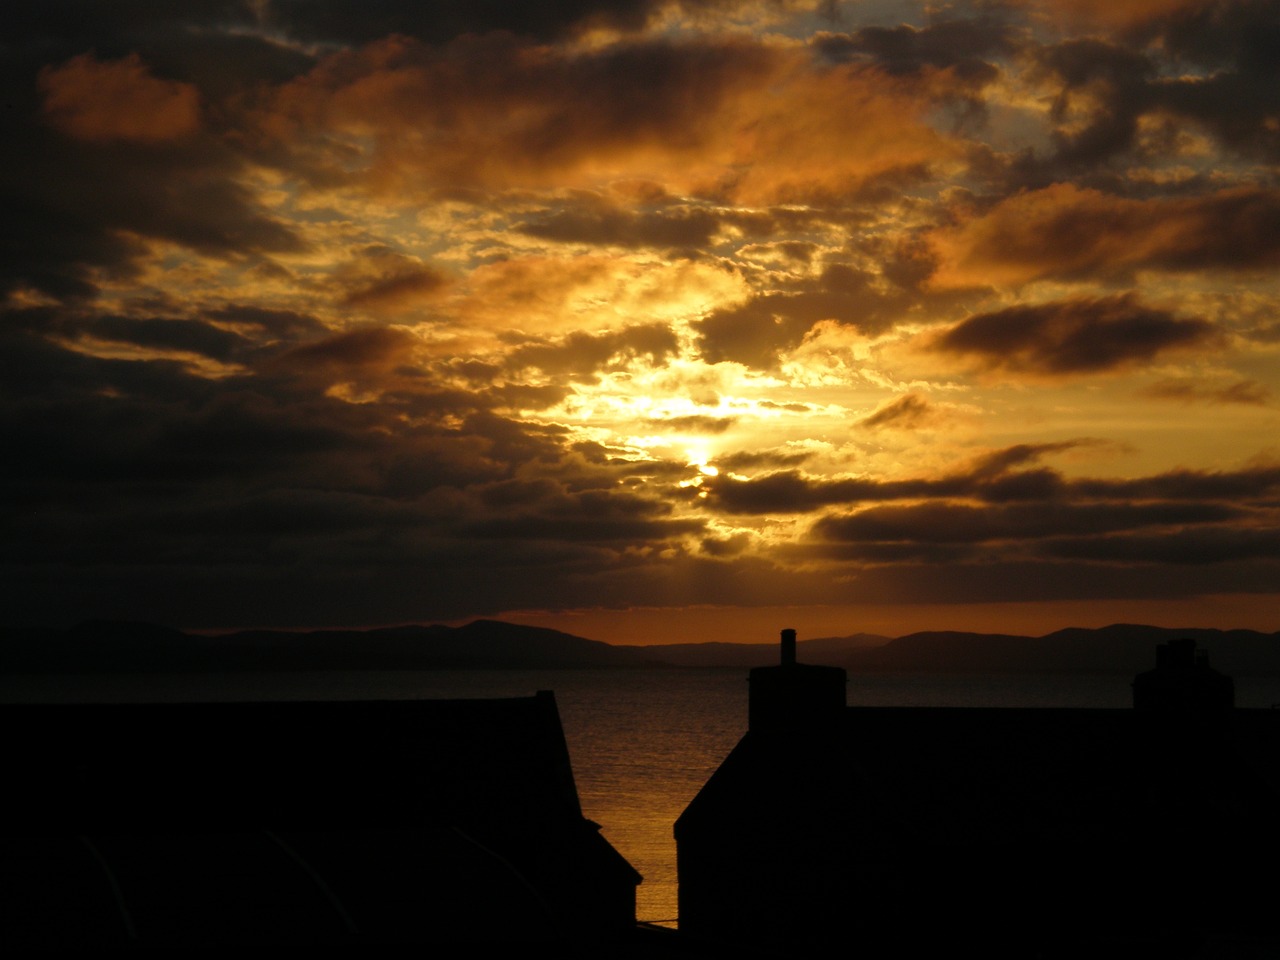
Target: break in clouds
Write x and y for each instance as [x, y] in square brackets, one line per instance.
[320, 314]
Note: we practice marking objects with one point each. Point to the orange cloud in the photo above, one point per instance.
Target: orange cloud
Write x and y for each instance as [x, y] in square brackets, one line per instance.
[383, 281]
[109, 100]
[1108, 13]
[735, 118]
[1072, 337]
[360, 353]
[1066, 231]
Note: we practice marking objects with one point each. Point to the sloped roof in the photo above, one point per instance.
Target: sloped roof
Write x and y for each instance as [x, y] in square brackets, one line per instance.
[401, 820]
[891, 818]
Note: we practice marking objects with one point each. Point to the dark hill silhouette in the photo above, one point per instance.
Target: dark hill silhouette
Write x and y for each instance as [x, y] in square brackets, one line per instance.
[720, 654]
[1120, 649]
[99, 646]
[115, 646]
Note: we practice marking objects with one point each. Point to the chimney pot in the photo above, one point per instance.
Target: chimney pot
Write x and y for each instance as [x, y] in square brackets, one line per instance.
[788, 647]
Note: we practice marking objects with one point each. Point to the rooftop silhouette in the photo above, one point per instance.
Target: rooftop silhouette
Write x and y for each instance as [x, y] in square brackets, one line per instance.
[336, 823]
[1027, 831]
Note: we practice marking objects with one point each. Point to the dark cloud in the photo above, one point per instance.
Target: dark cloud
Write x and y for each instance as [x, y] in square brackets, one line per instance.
[999, 476]
[1243, 485]
[726, 546]
[502, 113]
[281, 324]
[955, 575]
[1072, 337]
[125, 472]
[956, 45]
[1194, 547]
[960, 523]
[1067, 232]
[1115, 84]
[758, 331]
[789, 407]
[362, 22]
[788, 492]
[691, 424]
[1235, 93]
[1246, 392]
[593, 516]
[996, 462]
[395, 288]
[92, 204]
[682, 227]
[770, 459]
[582, 356]
[1115, 533]
[194, 336]
[217, 22]
[903, 413]
[362, 348]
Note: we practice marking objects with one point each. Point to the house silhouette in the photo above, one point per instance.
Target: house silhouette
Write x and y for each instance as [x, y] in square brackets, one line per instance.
[343, 823]
[1010, 832]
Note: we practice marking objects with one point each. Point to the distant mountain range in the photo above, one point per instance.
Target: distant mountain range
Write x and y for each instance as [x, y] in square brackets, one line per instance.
[113, 646]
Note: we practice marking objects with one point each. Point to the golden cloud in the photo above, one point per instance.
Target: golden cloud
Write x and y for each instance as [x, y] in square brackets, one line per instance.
[747, 120]
[1066, 231]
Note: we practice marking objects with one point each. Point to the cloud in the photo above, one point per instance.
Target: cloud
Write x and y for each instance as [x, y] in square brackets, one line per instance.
[98, 210]
[1071, 232]
[582, 355]
[1071, 337]
[355, 313]
[1119, 15]
[714, 117]
[363, 351]
[389, 283]
[962, 523]
[1192, 547]
[117, 100]
[758, 332]
[990, 476]
[907, 412]
[1187, 390]
[957, 46]
[691, 424]
[1018, 496]
[319, 20]
[1104, 90]
[611, 226]
[179, 334]
[754, 460]
[285, 324]
[1251, 483]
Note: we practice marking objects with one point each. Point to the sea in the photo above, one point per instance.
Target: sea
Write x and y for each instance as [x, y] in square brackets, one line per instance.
[642, 742]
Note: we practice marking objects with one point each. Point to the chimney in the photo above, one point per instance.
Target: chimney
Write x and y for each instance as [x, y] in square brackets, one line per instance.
[793, 696]
[1183, 682]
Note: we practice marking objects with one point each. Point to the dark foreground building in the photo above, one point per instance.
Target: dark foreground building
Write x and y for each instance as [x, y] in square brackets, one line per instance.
[1006, 832]
[324, 823]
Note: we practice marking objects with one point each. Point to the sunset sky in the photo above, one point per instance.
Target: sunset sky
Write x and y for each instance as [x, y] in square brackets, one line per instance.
[644, 320]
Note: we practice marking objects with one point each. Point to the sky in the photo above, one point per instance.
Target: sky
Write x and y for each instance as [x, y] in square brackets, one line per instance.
[650, 320]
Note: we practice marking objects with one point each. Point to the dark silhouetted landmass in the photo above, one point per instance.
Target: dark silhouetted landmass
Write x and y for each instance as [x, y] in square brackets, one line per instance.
[117, 646]
[1120, 649]
[99, 646]
[826, 650]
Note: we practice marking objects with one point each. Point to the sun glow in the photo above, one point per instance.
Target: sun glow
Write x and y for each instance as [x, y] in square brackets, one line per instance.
[737, 304]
